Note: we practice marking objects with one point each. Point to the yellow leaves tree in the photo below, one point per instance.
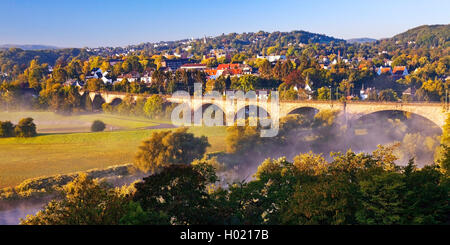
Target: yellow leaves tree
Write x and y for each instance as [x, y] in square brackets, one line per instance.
[85, 202]
[170, 147]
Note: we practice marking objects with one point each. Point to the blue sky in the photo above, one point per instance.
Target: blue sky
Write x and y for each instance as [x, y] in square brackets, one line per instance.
[81, 23]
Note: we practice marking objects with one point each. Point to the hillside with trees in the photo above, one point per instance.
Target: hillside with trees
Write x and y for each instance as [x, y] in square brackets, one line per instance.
[425, 36]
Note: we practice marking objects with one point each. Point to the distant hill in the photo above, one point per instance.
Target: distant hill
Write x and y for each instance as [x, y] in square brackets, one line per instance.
[245, 41]
[426, 35]
[16, 56]
[361, 40]
[28, 47]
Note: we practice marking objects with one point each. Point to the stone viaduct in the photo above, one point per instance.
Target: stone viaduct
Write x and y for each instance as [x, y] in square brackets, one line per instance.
[435, 112]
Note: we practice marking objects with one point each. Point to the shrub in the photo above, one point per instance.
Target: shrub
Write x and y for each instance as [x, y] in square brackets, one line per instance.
[25, 128]
[98, 126]
[6, 129]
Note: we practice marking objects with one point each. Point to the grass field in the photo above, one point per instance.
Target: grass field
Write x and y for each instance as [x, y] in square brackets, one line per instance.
[63, 151]
[48, 122]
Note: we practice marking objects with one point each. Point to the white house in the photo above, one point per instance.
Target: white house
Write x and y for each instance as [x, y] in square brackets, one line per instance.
[131, 77]
[272, 58]
[95, 73]
[146, 79]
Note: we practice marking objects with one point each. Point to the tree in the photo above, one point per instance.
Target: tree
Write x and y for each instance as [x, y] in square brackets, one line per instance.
[288, 93]
[246, 83]
[9, 97]
[98, 126]
[158, 80]
[74, 69]
[323, 93]
[326, 200]
[265, 69]
[346, 86]
[277, 70]
[426, 198]
[25, 128]
[71, 99]
[387, 95]
[136, 87]
[216, 85]
[211, 62]
[295, 78]
[85, 202]
[60, 74]
[170, 147]
[444, 150]
[444, 162]
[399, 61]
[180, 192]
[383, 197]
[431, 90]
[94, 85]
[446, 131]
[271, 50]
[136, 215]
[6, 129]
[34, 73]
[153, 107]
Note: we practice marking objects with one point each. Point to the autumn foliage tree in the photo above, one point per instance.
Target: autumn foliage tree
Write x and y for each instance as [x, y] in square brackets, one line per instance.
[170, 147]
[153, 106]
[25, 128]
[85, 202]
[177, 186]
[6, 129]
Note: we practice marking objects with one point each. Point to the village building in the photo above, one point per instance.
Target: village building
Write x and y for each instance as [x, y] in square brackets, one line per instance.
[364, 93]
[399, 72]
[384, 70]
[95, 73]
[74, 82]
[411, 91]
[113, 62]
[193, 66]
[272, 58]
[175, 64]
[131, 77]
[147, 77]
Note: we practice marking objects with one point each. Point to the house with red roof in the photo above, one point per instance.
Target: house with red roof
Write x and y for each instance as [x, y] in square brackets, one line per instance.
[229, 70]
[399, 72]
[384, 70]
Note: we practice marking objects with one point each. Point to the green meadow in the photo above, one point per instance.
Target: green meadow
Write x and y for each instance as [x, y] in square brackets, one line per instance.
[65, 145]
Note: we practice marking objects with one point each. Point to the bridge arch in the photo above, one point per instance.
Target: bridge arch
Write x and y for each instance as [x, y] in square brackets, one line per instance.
[252, 111]
[427, 123]
[205, 107]
[116, 101]
[97, 102]
[307, 111]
